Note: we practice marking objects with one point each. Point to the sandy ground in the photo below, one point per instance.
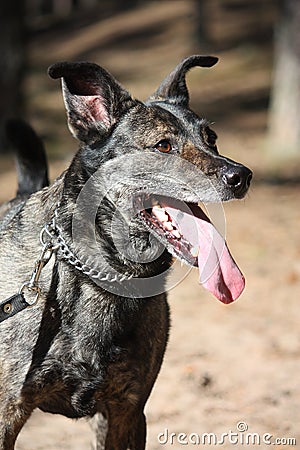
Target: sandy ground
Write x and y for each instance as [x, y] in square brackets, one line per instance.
[226, 367]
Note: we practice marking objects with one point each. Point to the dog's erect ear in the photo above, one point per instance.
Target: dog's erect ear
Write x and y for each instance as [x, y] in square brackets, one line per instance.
[94, 100]
[173, 89]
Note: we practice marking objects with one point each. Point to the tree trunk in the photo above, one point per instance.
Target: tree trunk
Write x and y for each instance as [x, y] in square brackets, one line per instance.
[284, 114]
[12, 61]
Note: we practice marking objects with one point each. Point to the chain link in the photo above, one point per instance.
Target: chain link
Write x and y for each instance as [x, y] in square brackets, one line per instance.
[67, 254]
[52, 240]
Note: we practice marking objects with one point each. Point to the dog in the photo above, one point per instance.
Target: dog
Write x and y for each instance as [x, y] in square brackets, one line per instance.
[84, 261]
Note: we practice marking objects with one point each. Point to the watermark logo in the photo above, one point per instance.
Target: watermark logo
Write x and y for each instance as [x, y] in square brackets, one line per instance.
[117, 184]
[241, 436]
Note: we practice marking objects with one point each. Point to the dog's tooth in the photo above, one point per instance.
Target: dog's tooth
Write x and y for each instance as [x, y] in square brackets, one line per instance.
[168, 226]
[157, 208]
[176, 234]
[195, 251]
[160, 214]
[172, 221]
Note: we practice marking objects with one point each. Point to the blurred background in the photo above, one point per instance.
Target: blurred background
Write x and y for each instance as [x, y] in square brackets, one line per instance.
[223, 364]
[256, 86]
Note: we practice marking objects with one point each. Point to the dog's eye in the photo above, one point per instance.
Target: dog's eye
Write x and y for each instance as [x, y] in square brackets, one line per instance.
[210, 137]
[163, 146]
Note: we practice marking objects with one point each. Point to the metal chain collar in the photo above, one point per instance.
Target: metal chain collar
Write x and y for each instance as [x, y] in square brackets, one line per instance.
[55, 236]
[52, 240]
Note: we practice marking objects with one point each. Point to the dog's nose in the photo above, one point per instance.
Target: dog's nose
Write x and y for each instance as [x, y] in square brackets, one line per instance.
[238, 178]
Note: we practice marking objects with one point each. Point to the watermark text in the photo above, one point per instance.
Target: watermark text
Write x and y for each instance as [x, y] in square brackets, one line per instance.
[240, 436]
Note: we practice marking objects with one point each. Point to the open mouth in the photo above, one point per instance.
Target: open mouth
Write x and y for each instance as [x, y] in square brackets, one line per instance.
[189, 235]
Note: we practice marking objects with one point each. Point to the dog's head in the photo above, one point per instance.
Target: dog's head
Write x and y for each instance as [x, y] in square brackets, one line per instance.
[154, 162]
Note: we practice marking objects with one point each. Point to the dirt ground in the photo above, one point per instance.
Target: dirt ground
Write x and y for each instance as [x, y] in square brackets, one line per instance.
[227, 368]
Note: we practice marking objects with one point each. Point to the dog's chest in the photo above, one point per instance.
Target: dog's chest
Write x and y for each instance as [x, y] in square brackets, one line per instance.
[94, 362]
[78, 388]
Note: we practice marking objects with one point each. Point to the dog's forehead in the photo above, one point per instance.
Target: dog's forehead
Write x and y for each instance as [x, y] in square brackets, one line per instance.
[148, 121]
[164, 117]
[155, 112]
[184, 117]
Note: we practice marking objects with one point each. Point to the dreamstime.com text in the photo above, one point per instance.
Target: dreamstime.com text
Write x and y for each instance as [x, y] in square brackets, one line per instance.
[240, 436]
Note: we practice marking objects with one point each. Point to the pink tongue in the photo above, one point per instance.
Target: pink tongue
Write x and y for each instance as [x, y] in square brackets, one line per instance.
[218, 270]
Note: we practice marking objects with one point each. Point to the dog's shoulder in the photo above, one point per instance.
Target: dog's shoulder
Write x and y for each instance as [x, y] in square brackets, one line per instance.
[39, 203]
[9, 210]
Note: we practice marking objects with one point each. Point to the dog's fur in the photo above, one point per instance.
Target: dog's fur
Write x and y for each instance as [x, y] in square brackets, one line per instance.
[84, 350]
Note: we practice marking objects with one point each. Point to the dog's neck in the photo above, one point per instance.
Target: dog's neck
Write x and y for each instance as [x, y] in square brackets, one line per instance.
[107, 252]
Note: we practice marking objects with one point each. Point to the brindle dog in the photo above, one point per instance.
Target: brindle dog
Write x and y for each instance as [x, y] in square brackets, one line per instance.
[84, 327]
